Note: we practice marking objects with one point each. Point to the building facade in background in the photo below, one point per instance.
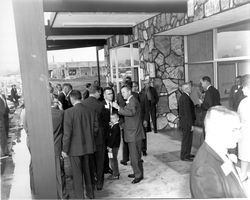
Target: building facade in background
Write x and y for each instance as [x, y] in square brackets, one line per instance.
[211, 39]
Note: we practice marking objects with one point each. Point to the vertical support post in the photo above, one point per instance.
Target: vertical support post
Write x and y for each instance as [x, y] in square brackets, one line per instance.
[117, 72]
[98, 66]
[215, 56]
[186, 58]
[29, 24]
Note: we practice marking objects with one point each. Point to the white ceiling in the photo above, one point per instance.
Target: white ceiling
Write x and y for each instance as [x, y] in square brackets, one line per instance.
[76, 19]
[232, 16]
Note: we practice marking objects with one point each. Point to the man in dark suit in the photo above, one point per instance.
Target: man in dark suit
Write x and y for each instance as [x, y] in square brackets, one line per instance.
[187, 119]
[14, 95]
[211, 98]
[106, 113]
[96, 106]
[63, 97]
[80, 128]
[122, 102]
[4, 124]
[133, 131]
[57, 121]
[236, 94]
[213, 172]
[151, 97]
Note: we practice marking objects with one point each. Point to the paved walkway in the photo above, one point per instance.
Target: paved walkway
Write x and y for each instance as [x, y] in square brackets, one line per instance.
[166, 176]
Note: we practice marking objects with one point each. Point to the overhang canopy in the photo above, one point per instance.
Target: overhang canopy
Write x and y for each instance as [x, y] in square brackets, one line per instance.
[94, 21]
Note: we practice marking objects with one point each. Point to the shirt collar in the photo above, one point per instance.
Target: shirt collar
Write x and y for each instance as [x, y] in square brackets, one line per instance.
[208, 87]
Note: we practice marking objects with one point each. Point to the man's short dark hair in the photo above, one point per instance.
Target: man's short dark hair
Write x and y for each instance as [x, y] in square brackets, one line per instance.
[206, 78]
[127, 86]
[107, 88]
[128, 83]
[94, 88]
[88, 85]
[76, 94]
[128, 78]
[68, 85]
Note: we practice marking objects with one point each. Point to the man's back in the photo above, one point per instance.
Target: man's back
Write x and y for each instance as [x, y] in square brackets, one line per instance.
[207, 178]
[212, 98]
[57, 121]
[96, 107]
[80, 125]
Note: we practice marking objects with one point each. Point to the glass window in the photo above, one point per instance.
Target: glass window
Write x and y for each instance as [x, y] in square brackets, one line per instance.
[197, 71]
[234, 40]
[244, 67]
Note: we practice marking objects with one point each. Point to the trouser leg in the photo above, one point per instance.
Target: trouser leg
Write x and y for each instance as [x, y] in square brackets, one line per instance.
[77, 172]
[185, 143]
[88, 176]
[125, 149]
[135, 156]
[153, 116]
[114, 162]
[144, 142]
[99, 162]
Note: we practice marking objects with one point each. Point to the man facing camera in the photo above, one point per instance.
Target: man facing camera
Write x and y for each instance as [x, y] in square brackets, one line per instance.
[213, 173]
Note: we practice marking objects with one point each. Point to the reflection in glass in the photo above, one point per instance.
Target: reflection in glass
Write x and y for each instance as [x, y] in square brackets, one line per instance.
[234, 40]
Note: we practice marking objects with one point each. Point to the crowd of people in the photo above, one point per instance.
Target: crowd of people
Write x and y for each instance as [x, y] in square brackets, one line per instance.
[88, 128]
[213, 172]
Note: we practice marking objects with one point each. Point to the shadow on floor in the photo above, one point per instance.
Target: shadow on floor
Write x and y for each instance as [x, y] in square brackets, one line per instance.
[172, 160]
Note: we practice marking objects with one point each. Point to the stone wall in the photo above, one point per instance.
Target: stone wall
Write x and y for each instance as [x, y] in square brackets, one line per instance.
[205, 8]
[163, 55]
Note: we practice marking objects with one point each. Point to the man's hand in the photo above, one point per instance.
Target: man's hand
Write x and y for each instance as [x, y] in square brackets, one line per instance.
[109, 149]
[145, 123]
[64, 155]
[192, 128]
[60, 106]
[115, 105]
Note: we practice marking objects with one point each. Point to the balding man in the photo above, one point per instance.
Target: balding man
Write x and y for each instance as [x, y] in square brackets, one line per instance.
[187, 119]
[213, 173]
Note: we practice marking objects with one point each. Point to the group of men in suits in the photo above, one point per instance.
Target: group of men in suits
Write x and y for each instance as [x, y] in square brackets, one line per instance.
[187, 115]
[86, 127]
[213, 172]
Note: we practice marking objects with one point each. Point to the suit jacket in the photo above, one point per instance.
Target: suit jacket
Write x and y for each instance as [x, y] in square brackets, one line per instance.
[212, 98]
[80, 127]
[133, 130]
[154, 95]
[207, 179]
[235, 97]
[4, 113]
[114, 138]
[96, 107]
[57, 121]
[63, 100]
[186, 111]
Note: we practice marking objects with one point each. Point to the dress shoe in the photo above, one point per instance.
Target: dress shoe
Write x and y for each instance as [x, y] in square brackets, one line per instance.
[131, 176]
[144, 153]
[123, 162]
[136, 180]
[187, 159]
[109, 171]
[155, 131]
[191, 156]
[112, 177]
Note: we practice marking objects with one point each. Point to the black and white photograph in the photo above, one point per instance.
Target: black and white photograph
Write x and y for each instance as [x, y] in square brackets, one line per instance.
[115, 99]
